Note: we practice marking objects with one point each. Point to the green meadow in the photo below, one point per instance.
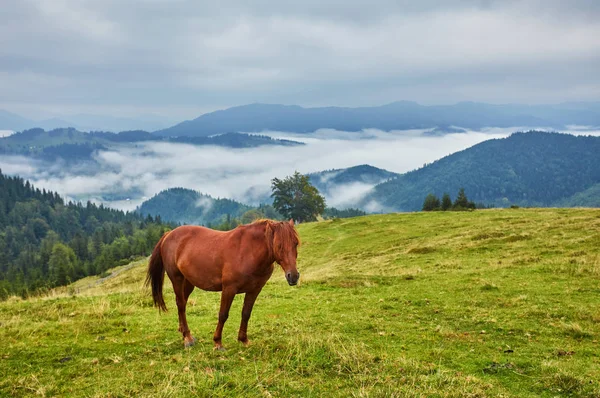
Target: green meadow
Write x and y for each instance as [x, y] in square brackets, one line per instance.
[490, 303]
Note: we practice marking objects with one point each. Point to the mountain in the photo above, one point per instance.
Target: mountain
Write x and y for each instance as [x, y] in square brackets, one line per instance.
[84, 122]
[12, 121]
[400, 115]
[345, 187]
[186, 206]
[327, 180]
[587, 198]
[526, 169]
[73, 145]
[45, 242]
[89, 122]
[235, 140]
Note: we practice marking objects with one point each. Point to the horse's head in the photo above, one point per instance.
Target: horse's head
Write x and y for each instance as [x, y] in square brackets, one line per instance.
[283, 244]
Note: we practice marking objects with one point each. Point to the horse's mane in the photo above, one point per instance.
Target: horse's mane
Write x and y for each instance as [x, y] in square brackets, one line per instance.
[280, 237]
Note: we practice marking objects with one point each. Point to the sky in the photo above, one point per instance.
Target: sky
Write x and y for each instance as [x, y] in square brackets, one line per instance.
[182, 58]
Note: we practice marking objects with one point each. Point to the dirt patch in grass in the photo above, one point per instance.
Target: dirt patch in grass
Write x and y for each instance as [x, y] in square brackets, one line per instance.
[516, 238]
[421, 250]
[488, 235]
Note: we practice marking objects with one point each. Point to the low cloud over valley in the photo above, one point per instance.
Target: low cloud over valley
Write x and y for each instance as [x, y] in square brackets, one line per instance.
[126, 176]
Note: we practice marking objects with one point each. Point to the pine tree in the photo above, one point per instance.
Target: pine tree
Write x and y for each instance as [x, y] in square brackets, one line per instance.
[461, 202]
[62, 264]
[446, 202]
[431, 203]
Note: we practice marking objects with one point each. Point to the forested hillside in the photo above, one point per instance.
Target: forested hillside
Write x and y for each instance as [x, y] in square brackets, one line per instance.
[329, 180]
[45, 242]
[186, 206]
[527, 169]
[588, 198]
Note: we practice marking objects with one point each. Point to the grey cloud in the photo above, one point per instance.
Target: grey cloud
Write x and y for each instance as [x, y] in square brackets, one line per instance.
[184, 57]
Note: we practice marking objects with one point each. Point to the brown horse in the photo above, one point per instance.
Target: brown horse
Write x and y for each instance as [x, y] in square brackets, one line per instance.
[237, 261]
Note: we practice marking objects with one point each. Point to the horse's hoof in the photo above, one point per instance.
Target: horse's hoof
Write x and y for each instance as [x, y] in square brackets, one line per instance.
[220, 348]
[188, 344]
[245, 343]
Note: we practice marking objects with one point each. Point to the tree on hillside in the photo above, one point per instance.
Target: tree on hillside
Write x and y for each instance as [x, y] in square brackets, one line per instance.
[269, 212]
[62, 264]
[332, 212]
[446, 202]
[251, 216]
[431, 203]
[462, 202]
[296, 198]
[45, 242]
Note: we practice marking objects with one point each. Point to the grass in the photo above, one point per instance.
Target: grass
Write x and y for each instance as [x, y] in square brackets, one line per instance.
[481, 304]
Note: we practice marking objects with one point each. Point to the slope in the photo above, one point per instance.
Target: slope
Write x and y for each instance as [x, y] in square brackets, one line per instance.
[490, 303]
[528, 169]
[365, 174]
[186, 206]
[588, 198]
[346, 187]
[45, 242]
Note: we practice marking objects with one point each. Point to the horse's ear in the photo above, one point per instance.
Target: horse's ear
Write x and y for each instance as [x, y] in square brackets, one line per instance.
[292, 222]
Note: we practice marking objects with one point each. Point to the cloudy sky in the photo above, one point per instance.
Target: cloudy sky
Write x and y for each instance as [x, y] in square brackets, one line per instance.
[181, 58]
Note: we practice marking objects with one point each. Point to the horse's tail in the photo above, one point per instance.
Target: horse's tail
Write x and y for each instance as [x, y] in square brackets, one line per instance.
[156, 275]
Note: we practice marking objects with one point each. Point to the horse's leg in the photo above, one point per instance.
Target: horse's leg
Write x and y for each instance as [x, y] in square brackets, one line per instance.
[249, 300]
[185, 330]
[183, 289]
[227, 296]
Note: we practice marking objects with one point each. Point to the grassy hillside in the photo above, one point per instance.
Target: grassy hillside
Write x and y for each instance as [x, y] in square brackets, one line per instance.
[489, 303]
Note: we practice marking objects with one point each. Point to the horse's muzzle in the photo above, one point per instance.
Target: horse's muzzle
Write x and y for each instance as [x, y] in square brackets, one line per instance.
[292, 279]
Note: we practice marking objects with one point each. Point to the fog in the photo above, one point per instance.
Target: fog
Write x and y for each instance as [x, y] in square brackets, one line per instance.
[125, 177]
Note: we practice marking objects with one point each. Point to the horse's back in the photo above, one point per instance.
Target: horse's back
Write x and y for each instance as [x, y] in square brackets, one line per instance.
[194, 232]
[192, 238]
[197, 253]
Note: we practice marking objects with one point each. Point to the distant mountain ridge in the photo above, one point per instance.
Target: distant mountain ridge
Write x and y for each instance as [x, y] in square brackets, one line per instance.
[71, 144]
[535, 168]
[401, 115]
[84, 122]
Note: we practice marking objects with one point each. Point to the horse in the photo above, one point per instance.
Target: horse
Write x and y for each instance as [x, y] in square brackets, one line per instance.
[237, 261]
